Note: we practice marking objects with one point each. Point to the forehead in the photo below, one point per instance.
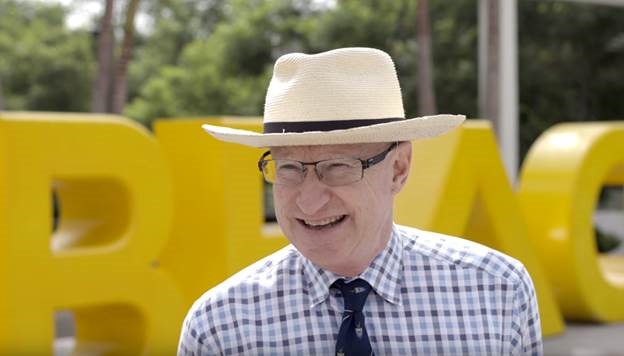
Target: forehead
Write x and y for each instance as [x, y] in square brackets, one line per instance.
[358, 150]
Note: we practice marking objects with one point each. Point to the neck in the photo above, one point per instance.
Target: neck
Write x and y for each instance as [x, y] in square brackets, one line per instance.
[351, 268]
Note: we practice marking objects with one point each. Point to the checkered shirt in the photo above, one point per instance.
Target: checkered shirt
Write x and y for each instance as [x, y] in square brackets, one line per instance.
[432, 295]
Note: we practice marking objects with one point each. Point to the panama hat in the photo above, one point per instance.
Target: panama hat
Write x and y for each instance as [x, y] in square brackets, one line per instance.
[347, 95]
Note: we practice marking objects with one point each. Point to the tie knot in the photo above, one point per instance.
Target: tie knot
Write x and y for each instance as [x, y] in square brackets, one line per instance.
[354, 293]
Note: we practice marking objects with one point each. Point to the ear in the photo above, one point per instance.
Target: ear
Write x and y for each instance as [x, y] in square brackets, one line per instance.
[401, 166]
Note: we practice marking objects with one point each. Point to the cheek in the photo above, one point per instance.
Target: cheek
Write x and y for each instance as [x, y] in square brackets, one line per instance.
[277, 201]
[281, 200]
[376, 201]
[378, 191]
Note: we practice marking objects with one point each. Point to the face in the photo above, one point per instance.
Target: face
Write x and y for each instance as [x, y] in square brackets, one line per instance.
[341, 228]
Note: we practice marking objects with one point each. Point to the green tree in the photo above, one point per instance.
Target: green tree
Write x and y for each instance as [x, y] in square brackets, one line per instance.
[391, 26]
[570, 56]
[227, 73]
[571, 63]
[176, 23]
[43, 65]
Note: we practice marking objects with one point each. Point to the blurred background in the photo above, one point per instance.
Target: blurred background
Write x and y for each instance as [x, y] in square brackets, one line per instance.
[526, 65]
[168, 58]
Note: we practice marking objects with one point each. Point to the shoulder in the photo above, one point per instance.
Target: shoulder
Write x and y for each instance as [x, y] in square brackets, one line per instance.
[461, 254]
[264, 275]
[217, 310]
[449, 266]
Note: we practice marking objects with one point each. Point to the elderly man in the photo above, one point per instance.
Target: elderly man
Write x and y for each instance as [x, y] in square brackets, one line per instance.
[352, 282]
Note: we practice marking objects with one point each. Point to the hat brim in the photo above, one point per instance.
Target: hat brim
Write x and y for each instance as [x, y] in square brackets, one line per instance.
[402, 130]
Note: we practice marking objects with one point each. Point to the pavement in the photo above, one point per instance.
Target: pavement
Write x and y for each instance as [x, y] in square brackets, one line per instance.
[587, 340]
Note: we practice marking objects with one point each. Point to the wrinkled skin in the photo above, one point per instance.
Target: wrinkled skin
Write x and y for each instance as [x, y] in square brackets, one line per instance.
[342, 228]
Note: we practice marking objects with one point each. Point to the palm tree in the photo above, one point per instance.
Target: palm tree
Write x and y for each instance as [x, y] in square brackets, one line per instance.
[426, 92]
[121, 75]
[102, 84]
[492, 85]
[1, 96]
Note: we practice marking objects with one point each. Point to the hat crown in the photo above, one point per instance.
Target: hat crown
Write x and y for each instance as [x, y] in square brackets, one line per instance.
[343, 96]
[342, 84]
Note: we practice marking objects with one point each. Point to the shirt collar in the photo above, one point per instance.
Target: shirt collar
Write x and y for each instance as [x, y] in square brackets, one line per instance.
[383, 274]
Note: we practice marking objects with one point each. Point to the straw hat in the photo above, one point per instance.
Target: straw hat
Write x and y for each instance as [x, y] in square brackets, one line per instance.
[347, 95]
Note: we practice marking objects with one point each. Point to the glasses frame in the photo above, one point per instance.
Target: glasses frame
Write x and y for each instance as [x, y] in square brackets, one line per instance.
[366, 163]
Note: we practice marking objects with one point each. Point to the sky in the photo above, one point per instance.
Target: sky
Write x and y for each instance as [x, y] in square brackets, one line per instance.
[83, 11]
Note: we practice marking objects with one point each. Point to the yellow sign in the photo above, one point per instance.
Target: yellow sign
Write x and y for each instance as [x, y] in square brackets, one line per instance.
[149, 222]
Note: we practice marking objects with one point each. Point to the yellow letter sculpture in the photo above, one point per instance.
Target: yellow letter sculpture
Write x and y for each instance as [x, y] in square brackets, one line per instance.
[561, 182]
[219, 221]
[128, 267]
[458, 186]
[102, 260]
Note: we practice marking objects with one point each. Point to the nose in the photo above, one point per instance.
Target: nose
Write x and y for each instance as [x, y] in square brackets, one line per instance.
[313, 194]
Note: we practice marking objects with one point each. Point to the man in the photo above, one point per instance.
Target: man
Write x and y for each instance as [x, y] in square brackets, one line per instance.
[352, 282]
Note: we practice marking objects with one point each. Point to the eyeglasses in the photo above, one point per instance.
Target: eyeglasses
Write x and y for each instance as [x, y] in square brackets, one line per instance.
[333, 172]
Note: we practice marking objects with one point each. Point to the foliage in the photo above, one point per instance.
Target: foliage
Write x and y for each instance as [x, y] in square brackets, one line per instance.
[206, 57]
[176, 24]
[227, 72]
[571, 61]
[43, 65]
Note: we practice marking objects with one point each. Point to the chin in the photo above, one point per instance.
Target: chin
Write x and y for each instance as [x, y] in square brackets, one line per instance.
[320, 254]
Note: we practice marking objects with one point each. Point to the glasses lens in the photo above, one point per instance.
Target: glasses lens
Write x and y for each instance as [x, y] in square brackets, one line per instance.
[283, 171]
[268, 170]
[340, 171]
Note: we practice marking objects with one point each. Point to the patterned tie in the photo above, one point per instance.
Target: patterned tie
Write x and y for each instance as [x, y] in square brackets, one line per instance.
[352, 337]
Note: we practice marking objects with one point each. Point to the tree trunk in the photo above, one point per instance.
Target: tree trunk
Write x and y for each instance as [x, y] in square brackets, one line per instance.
[1, 95]
[492, 86]
[426, 93]
[102, 85]
[121, 75]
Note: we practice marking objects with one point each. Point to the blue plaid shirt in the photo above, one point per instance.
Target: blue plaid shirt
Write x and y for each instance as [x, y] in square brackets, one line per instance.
[432, 295]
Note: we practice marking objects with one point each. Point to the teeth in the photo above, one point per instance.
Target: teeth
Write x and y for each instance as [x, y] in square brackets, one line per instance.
[323, 222]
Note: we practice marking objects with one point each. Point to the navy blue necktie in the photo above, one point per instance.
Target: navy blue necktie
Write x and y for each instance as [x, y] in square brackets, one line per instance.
[352, 337]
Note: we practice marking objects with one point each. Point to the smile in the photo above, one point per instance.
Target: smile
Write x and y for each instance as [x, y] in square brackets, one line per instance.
[324, 223]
